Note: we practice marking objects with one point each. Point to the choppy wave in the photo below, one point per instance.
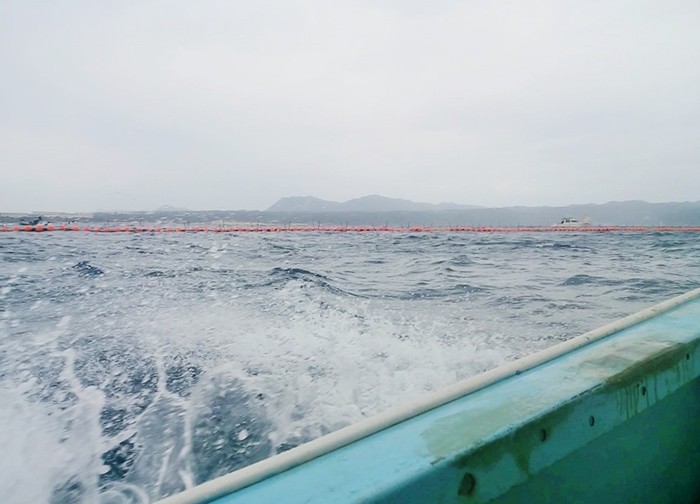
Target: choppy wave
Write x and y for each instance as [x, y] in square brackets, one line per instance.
[134, 366]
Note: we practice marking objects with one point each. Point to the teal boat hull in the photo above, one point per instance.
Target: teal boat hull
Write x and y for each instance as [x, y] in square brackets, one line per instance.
[610, 416]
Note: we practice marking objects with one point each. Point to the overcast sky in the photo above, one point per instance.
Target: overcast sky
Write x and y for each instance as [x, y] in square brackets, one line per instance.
[234, 104]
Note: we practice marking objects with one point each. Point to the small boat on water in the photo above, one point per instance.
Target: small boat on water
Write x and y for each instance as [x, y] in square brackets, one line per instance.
[36, 221]
[570, 222]
[608, 417]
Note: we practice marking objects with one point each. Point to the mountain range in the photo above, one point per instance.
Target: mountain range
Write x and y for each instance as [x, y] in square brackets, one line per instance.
[372, 203]
[378, 210]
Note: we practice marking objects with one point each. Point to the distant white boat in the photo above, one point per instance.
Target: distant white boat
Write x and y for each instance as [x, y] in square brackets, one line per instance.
[569, 222]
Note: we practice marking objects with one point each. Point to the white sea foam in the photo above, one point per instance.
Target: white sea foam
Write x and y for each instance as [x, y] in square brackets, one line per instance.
[48, 449]
[190, 356]
[322, 367]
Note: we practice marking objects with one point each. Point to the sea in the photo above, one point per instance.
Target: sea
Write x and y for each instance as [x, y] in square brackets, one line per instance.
[134, 366]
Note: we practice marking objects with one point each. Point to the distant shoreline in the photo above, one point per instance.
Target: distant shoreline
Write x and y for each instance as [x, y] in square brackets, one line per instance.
[624, 213]
[350, 229]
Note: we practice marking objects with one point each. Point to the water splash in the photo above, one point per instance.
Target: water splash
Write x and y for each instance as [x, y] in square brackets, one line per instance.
[185, 357]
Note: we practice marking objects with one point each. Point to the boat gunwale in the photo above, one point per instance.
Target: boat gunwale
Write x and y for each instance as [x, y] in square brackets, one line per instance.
[249, 475]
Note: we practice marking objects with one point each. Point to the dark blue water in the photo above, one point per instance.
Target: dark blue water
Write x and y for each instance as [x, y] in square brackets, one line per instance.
[134, 366]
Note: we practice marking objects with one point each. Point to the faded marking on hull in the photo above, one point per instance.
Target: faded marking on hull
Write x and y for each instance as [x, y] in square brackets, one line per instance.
[613, 379]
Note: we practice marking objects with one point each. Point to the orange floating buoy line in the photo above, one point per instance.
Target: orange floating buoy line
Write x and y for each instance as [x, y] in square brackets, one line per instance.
[50, 228]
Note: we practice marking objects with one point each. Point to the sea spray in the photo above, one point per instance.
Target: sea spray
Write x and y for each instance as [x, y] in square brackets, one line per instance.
[133, 366]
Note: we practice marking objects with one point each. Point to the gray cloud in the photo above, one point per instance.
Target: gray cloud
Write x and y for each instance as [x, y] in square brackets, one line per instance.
[219, 104]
